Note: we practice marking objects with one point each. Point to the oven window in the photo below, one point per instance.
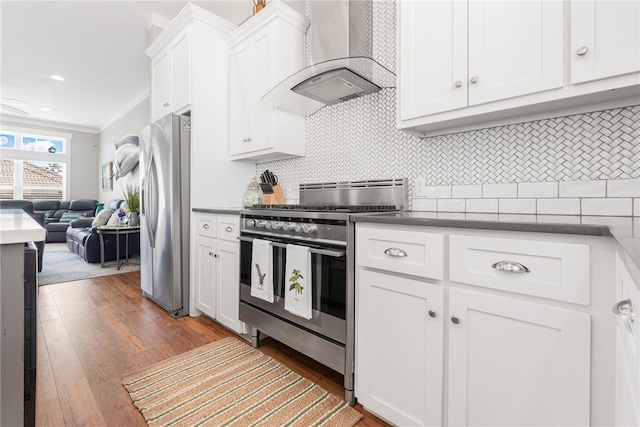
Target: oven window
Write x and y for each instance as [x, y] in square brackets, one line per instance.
[329, 278]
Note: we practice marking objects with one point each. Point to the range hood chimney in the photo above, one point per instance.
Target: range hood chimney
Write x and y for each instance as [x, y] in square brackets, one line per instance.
[341, 55]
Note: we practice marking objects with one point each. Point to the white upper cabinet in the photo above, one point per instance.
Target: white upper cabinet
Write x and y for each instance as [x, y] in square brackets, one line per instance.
[515, 48]
[465, 65]
[455, 54]
[605, 39]
[171, 77]
[432, 58]
[265, 50]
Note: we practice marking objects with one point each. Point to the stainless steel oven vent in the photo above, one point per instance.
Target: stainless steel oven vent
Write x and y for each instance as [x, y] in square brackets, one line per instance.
[366, 192]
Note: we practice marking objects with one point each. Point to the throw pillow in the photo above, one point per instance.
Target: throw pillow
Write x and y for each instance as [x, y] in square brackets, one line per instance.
[113, 219]
[70, 216]
[101, 218]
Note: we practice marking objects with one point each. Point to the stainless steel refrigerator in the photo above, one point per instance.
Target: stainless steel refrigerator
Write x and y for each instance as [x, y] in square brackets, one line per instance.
[164, 212]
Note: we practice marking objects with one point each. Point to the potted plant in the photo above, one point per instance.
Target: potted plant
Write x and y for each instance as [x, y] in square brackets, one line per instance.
[132, 199]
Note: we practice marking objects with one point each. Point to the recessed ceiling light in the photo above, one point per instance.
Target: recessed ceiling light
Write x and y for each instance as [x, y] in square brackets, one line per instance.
[58, 78]
[46, 109]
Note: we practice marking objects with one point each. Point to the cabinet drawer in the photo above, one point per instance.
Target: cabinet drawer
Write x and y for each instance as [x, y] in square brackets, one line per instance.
[554, 270]
[229, 228]
[206, 226]
[401, 250]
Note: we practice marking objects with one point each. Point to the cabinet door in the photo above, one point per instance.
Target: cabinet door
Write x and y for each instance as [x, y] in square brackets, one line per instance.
[432, 57]
[627, 351]
[516, 363]
[228, 286]
[240, 126]
[515, 48]
[399, 348]
[205, 275]
[180, 71]
[160, 85]
[605, 39]
[262, 114]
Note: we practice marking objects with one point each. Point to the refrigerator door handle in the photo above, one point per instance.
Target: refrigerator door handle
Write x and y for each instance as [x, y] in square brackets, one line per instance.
[148, 209]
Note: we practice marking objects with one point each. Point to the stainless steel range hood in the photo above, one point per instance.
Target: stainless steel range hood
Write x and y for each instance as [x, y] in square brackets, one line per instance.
[341, 55]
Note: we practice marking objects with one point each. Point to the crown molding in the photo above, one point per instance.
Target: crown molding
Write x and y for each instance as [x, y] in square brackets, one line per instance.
[134, 103]
[188, 14]
[47, 124]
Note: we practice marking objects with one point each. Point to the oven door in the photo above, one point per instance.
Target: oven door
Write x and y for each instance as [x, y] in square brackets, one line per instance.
[329, 284]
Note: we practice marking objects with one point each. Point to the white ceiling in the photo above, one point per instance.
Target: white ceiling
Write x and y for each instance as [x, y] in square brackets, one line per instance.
[98, 46]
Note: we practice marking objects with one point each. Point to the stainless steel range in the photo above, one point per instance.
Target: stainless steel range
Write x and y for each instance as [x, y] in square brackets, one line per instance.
[320, 222]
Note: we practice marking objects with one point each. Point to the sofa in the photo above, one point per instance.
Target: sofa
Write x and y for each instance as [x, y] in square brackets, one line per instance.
[27, 206]
[58, 215]
[83, 239]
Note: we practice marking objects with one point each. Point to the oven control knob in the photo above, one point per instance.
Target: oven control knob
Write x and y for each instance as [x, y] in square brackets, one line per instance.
[268, 225]
[298, 228]
[277, 225]
[287, 226]
[308, 228]
[250, 223]
[260, 223]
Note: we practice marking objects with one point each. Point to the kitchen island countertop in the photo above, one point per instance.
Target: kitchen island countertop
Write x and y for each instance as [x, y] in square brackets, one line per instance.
[625, 230]
[18, 227]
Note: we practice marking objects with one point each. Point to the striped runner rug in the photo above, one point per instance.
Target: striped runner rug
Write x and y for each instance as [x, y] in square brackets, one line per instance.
[228, 383]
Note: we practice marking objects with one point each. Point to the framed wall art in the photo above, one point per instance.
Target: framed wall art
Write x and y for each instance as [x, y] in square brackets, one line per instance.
[107, 173]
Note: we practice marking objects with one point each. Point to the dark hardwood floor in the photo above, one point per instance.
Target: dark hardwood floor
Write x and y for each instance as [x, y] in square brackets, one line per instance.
[94, 331]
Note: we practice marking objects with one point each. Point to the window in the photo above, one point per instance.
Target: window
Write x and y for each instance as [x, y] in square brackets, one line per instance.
[33, 165]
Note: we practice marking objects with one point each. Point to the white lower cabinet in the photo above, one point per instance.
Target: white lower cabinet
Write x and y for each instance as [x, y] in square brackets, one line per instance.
[399, 348]
[627, 347]
[228, 309]
[431, 351]
[216, 278]
[205, 277]
[516, 363]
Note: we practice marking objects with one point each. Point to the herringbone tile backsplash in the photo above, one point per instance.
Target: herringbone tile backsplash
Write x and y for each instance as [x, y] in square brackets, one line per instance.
[358, 139]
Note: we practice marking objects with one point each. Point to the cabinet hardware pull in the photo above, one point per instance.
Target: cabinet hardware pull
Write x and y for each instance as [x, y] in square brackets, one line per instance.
[582, 51]
[397, 252]
[455, 320]
[624, 309]
[458, 83]
[228, 229]
[433, 313]
[510, 267]
[205, 226]
[474, 79]
[210, 253]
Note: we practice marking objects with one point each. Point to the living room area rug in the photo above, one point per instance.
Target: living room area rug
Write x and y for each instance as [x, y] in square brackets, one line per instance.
[229, 383]
[59, 264]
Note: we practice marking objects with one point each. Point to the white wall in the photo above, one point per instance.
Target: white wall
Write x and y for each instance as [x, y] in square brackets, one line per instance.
[131, 122]
[84, 168]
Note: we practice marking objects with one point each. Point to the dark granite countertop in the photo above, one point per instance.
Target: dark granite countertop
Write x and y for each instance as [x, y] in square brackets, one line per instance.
[626, 230]
[223, 211]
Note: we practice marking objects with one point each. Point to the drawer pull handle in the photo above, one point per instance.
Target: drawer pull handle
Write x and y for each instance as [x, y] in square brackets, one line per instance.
[205, 226]
[395, 252]
[228, 229]
[511, 267]
[624, 309]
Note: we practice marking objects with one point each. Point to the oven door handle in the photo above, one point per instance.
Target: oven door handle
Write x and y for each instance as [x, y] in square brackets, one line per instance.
[329, 252]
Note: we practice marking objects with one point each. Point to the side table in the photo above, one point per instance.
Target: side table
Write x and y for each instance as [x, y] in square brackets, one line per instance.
[117, 231]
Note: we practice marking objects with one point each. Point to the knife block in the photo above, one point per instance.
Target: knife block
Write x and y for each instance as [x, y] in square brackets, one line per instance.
[274, 198]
